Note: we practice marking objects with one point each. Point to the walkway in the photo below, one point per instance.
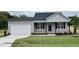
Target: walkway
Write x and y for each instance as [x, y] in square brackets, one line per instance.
[8, 40]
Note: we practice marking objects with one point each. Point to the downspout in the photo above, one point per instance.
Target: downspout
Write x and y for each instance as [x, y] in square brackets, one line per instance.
[69, 27]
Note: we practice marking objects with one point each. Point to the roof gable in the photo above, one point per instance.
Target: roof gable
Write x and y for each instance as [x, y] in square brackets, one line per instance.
[57, 18]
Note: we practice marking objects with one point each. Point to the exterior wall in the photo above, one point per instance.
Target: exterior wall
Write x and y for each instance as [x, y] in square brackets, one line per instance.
[32, 27]
[8, 27]
[14, 23]
[40, 31]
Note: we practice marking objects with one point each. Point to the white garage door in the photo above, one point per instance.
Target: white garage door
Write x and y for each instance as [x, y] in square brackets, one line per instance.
[21, 29]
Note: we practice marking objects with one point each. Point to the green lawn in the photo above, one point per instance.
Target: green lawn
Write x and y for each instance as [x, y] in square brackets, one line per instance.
[57, 41]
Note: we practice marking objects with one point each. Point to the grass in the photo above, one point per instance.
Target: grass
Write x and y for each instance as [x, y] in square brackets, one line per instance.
[57, 41]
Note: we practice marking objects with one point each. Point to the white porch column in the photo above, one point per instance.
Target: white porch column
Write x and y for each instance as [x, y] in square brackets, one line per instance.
[46, 28]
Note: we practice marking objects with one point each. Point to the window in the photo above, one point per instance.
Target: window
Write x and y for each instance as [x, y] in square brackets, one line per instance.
[39, 25]
[61, 26]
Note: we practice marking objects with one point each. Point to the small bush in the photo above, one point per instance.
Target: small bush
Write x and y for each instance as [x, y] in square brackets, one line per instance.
[5, 33]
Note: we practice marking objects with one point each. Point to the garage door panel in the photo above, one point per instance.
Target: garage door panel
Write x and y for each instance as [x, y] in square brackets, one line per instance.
[21, 29]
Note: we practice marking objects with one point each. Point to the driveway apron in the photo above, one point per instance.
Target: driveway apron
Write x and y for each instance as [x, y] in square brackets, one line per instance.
[8, 40]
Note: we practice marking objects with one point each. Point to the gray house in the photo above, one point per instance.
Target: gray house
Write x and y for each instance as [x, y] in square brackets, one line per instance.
[41, 23]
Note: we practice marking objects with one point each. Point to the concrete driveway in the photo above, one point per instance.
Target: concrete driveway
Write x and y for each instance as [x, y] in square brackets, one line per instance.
[8, 40]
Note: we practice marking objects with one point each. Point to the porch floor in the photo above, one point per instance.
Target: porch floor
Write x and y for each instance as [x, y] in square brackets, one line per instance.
[45, 35]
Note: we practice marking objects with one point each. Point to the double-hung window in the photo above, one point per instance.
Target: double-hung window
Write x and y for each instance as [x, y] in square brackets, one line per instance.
[39, 25]
[60, 25]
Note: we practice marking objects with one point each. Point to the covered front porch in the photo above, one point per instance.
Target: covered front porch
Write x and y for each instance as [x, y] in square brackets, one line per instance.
[50, 27]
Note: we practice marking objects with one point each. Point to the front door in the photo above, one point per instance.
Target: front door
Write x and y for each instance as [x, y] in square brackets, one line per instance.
[49, 28]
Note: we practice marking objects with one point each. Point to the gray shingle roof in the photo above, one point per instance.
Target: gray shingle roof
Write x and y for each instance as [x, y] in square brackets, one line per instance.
[27, 18]
[43, 15]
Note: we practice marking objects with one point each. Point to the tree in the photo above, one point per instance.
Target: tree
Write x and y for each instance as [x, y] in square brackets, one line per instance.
[75, 22]
[22, 16]
[4, 16]
[3, 19]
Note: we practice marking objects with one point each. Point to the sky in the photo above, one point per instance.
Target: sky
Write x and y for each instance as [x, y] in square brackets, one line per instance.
[32, 13]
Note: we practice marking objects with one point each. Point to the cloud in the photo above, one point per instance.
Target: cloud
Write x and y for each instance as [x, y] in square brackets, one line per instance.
[71, 13]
